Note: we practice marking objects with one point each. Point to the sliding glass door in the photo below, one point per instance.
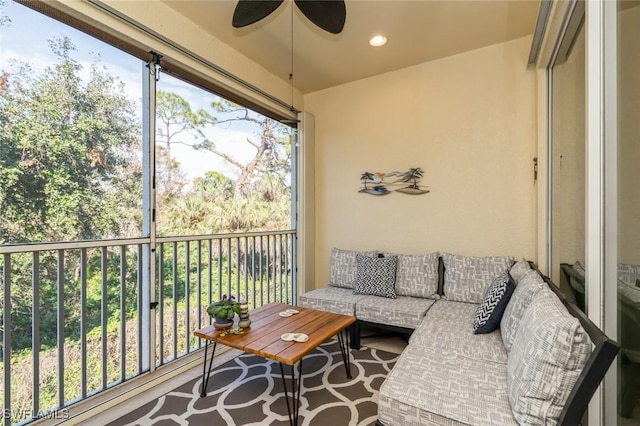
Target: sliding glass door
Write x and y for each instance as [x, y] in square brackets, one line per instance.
[627, 286]
[567, 84]
[595, 185]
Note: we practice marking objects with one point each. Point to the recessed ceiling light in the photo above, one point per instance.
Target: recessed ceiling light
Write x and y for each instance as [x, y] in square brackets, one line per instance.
[378, 40]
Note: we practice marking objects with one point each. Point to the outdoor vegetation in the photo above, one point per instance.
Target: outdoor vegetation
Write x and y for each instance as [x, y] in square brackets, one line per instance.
[71, 170]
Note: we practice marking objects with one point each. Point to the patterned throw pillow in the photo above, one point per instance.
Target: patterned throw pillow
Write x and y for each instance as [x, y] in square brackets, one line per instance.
[548, 354]
[343, 267]
[489, 312]
[376, 276]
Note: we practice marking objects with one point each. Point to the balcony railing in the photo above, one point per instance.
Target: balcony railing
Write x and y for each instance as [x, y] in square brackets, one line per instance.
[81, 317]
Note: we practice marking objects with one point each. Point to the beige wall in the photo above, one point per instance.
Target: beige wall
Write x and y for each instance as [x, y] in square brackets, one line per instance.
[468, 121]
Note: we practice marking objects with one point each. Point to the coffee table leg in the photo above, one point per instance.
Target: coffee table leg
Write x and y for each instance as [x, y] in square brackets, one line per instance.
[205, 373]
[293, 414]
[344, 350]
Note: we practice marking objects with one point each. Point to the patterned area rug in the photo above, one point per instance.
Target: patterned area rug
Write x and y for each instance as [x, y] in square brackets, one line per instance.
[248, 391]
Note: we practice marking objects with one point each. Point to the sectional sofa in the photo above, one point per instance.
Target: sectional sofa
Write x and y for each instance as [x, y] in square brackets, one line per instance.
[492, 341]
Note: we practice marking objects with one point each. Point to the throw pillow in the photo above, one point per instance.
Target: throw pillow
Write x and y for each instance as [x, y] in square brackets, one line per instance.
[343, 267]
[489, 312]
[466, 278]
[548, 354]
[376, 276]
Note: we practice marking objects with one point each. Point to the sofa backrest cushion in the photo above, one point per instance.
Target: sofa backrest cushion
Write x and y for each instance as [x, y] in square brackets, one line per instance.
[548, 354]
[343, 267]
[518, 270]
[417, 275]
[376, 276]
[530, 284]
[467, 278]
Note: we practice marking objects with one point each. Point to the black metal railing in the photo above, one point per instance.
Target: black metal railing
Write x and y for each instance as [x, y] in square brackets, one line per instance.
[80, 317]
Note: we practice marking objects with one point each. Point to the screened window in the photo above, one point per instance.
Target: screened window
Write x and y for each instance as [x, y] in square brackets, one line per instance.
[74, 171]
[220, 167]
[70, 140]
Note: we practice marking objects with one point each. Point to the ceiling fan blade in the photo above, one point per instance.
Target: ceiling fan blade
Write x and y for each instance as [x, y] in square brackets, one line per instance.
[249, 11]
[327, 14]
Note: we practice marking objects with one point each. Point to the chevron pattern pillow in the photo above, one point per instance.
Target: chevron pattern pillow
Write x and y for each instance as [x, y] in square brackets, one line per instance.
[496, 298]
[376, 276]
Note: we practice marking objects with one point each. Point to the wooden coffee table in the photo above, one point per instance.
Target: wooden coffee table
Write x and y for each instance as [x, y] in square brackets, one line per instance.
[263, 338]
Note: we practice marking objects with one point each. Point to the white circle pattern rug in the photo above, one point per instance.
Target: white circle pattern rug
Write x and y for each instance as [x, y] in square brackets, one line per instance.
[248, 391]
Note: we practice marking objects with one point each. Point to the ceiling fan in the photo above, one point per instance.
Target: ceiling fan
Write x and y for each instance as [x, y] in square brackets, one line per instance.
[326, 14]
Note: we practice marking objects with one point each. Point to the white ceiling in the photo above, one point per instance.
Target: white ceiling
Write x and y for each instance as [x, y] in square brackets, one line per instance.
[418, 31]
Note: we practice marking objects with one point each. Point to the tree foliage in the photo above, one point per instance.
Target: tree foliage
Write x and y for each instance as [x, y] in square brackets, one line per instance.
[271, 145]
[67, 153]
[256, 197]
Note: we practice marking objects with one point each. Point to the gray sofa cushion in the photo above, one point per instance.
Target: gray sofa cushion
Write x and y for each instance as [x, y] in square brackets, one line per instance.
[435, 387]
[417, 275]
[404, 311]
[331, 299]
[522, 296]
[343, 267]
[466, 278]
[548, 354]
[447, 327]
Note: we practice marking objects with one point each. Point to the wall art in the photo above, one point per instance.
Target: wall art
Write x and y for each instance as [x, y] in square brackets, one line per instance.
[384, 183]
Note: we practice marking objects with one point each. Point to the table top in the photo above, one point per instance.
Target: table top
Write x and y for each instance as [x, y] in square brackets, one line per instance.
[263, 337]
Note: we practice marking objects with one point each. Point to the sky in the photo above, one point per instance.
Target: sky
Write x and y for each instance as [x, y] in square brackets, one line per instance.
[19, 41]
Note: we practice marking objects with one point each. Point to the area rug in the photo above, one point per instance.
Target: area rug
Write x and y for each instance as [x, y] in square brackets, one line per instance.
[248, 391]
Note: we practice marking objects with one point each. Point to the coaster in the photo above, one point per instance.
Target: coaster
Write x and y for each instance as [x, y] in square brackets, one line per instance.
[287, 337]
[300, 337]
[292, 311]
[285, 314]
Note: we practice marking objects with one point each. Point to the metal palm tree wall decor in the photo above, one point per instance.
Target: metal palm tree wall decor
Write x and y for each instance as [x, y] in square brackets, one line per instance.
[329, 15]
[377, 183]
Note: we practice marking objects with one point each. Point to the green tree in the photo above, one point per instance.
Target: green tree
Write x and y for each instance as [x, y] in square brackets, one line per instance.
[258, 197]
[177, 124]
[65, 152]
[68, 171]
[271, 145]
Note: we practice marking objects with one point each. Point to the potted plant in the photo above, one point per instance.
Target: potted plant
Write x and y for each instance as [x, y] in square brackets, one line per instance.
[223, 311]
